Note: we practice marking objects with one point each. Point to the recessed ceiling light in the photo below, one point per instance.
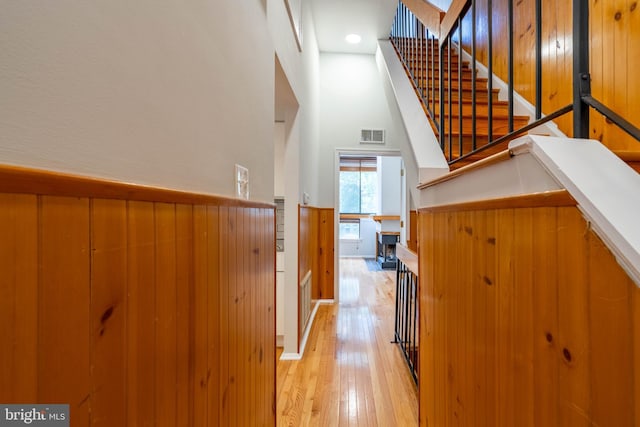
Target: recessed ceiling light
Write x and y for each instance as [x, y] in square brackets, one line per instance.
[353, 38]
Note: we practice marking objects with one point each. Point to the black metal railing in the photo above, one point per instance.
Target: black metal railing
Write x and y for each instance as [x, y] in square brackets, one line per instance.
[406, 322]
[420, 48]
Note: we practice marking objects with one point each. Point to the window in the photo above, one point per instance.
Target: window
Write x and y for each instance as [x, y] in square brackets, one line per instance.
[349, 229]
[358, 193]
[358, 185]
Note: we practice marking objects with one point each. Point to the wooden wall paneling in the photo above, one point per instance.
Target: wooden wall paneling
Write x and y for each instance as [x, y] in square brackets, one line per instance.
[314, 252]
[491, 335]
[573, 303]
[412, 242]
[227, 256]
[166, 323]
[64, 295]
[269, 273]
[241, 325]
[478, 344]
[596, 65]
[108, 309]
[184, 314]
[245, 311]
[440, 306]
[233, 245]
[545, 317]
[426, 407]
[611, 341]
[466, 301]
[19, 297]
[141, 314]
[201, 309]
[620, 21]
[523, 317]
[327, 253]
[505, 386]
[216, 284]
[633, 64]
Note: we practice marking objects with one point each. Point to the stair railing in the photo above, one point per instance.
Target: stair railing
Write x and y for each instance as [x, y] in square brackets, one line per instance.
[420, 47]
[406, 330]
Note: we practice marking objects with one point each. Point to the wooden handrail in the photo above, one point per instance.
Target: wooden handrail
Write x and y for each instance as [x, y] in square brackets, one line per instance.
[430, 15]
[456, 10]
[408, 257]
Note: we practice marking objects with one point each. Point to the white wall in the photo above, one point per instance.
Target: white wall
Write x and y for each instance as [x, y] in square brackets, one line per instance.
[389, 185]
[163, 93]
[352, 98]
[364, 247]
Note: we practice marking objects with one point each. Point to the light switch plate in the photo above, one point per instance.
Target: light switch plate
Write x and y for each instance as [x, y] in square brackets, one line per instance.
[242, 182]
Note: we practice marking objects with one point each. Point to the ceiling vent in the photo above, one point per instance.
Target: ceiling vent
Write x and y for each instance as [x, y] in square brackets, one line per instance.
[372, 136]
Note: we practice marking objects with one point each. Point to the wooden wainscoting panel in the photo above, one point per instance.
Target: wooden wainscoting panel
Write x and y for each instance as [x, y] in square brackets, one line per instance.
[138, 313]
[526, 319]
[573, 334]
[19, 298]
[546, 363]
[200, 345]
[165, 326]
[326, 254]
[412, 241]
[108, 311]
[184, 314]
[141, 314]
[216, 284]
[227, 311]
[63, 315]
[611, 350]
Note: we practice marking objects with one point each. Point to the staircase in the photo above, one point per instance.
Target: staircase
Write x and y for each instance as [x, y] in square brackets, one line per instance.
[422, 64]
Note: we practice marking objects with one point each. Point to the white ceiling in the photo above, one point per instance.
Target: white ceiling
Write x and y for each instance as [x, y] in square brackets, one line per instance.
[334, 19]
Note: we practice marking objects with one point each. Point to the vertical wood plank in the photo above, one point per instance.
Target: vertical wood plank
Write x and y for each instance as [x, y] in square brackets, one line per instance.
[426, 349]
[573, 307]
[18, 298]
[141, 314]
[545, 301]
[611, 343]
[63, 335]
[201, 309]
[185, 314]
[165, 346]
[505, 318]
[217, 283]
[227, 268]
[108, 311]
[327, 254]
[269, 270]
[491, 301]
[478, 345]
[523, 317]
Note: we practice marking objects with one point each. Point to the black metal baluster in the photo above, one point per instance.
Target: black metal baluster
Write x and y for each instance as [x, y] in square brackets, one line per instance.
[510, 72]
[473, 76]
[538, 59]
[490, 70]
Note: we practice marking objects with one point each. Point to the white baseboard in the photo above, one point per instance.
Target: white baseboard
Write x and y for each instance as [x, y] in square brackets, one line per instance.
[305, 336]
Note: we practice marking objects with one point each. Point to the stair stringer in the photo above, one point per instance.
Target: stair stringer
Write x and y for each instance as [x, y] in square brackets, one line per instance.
[424, 150]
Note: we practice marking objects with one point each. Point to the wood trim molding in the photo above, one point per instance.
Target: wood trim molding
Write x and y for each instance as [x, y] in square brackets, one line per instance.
[380, 218]
[408, 257]
[430, 15]
[16, 179]
[491, 160]
[537, 200]
[450, 19]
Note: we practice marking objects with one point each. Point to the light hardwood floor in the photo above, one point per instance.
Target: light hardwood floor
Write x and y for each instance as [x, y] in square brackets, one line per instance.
[351, 374]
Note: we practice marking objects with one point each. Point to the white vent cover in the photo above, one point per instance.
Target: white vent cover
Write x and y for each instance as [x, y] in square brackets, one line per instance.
[372, 136]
